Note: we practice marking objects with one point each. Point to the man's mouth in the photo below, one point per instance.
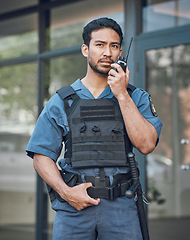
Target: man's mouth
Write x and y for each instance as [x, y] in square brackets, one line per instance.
[106, 62]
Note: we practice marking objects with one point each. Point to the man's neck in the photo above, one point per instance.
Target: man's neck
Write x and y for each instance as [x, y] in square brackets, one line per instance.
[95, 83]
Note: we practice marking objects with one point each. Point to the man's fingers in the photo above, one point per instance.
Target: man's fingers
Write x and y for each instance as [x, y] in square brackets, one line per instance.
[117, 66]
[88, 184]
[127, 72]
[80, 198]
[92, 201]
[112, 73]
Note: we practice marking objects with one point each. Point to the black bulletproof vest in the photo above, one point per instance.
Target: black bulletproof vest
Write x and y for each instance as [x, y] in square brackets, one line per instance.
[97, 136]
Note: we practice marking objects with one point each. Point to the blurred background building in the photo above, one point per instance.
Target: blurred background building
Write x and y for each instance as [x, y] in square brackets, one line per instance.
[40, 52]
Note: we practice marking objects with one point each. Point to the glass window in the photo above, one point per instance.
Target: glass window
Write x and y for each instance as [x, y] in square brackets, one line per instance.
[167, 72]
[68, 21]
[159, 73]
[18, 37]
[63, 71]
[165, 14]
[18, 111]
[15, 5]
[18, 107]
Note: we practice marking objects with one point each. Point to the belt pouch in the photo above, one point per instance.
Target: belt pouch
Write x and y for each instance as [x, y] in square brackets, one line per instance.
[69, 178]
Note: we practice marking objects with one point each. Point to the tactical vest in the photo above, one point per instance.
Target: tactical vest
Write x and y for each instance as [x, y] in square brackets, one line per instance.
[97, 135]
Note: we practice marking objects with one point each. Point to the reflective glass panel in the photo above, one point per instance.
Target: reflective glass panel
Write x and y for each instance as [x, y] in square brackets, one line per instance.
[68, 21]
[18, 37]
[159, 15]
[63, 71]
[18, 111]
[168, 166]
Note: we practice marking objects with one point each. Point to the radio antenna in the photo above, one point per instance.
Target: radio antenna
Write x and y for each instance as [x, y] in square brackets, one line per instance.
[128, 50]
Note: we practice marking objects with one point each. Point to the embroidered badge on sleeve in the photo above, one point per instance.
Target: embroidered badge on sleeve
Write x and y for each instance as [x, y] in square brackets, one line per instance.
[152, 107]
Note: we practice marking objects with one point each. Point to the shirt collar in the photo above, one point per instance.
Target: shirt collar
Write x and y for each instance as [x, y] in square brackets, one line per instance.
[106, 93]
[82, 90]
[76, 85]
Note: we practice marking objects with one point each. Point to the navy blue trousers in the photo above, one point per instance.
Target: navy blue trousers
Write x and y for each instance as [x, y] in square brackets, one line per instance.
[111, 219]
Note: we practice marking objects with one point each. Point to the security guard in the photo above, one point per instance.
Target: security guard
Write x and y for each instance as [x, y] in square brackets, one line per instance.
[99, 118]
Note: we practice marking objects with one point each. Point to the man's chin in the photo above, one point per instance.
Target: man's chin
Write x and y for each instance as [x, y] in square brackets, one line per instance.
[103, 71]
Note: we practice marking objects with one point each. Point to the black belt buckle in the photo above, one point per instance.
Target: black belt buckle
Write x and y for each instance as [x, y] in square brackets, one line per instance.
[114, 191]
[98, 183]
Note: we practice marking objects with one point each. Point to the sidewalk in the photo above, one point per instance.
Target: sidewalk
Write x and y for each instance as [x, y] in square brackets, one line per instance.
[170, 229]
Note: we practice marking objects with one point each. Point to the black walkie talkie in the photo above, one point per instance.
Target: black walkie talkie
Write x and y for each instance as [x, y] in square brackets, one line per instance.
[122, 61]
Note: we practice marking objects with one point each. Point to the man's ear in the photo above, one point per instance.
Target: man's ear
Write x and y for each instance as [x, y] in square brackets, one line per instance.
[84, 50]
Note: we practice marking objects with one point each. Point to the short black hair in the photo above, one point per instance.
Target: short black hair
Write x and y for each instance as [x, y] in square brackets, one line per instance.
[100, 23]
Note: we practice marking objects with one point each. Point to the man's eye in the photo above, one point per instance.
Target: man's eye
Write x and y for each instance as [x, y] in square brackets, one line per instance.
[115, 46]
[99, 44]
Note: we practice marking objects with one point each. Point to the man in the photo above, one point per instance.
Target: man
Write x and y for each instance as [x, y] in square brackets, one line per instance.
[91, 118]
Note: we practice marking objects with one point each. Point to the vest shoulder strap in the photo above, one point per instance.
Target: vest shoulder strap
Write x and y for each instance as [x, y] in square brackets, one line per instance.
[130, 89]
[65, 92]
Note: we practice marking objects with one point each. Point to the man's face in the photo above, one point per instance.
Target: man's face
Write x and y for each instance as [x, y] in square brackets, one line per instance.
[103, 50]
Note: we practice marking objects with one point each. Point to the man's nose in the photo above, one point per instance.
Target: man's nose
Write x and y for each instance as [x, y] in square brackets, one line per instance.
[107, 51]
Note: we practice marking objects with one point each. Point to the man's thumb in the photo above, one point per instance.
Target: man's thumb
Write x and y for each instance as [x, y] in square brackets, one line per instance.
[88, 184]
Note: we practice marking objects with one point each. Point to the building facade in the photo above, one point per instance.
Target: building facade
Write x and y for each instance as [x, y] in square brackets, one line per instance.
[40, 44]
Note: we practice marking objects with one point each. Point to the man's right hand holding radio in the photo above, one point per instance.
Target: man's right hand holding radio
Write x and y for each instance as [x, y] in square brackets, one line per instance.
[118, 80]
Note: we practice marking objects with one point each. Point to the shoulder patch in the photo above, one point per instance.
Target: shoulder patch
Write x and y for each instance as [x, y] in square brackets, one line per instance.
[153, 109]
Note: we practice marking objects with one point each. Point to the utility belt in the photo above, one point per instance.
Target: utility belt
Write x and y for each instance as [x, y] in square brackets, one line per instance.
[100, 189]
